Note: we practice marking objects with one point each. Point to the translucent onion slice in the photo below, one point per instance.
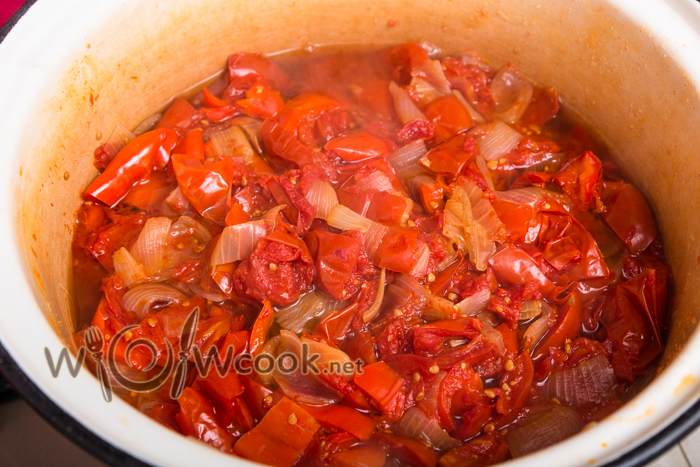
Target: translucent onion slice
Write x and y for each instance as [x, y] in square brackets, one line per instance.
[432, 50]
[237, 242]
[511, 93]
[322, 196]
[434, 74]
[490, 333]
[484, 169]
[147, 124]
[410, 284]
[420, 269]
[476, 116]
[472, 57]
[529, 309]
[404, 106]
[327, 354]
[589, 382]
[126, 267]
[483, 212]
[187, 225]
[373, 311]
[534, 333]
[343, 218]
[406, 156]
[211, 296]
[119, 138]
[270, 215]
[304, 388]
[474, 304]
[434, 308]
[151, 244]
[177, 200]
[531, 196]
[416, 424]
[306, 309]
[270, 348]
[373, 238]
[251, 126]
[140, 298]
[495, 139]
[232, 142]
[423, 92]
[544, 428]
[376, 181]
[456, 235]
[480, 247]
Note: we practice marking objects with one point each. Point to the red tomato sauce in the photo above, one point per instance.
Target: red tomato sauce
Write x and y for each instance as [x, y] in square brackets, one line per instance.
[431, 224]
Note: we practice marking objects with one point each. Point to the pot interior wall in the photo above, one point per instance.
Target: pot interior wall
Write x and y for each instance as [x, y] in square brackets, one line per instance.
[616, 75]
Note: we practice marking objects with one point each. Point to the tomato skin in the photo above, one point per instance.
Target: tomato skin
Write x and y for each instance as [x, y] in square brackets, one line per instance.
[180, 116]
[196, 418]
[486, 450]
[192, 144]
[262, 325]
[516, 217]
[205, 186]
[357, 146]
[361, 456]
[581, 179]
[510, 403]
[336, 262]
[384, 386]
[404, 58]
[459, 382]
[275, 440]
[236, 215]
[543, 106]
[343, 418]
[448, 116]
[429, 338]
[514, 267]
[628, 214]
[398, 250]
[450, 157]
[568, 327]
[102, 243]
[260, 101]
[633, 316]
[150, 151]
[409, 450]
[292, 274]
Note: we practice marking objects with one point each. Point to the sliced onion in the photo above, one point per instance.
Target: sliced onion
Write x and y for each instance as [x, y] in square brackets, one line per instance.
[476, 116]
[474, 304]
[483, 212]
[232, 142]
[532, 196]
[434, 308]
[237, 242]
[373, 311]
[120, 137]
[271, 215]
[126, 267]
[544, 428]
[410, 284]
[305, 310]
[456, 235]
[187, 225]
[373, 238]
[416, 424]
[404, 106]
[490, 333]
[376, 181]
[420, 269]
[511, 93]
[177, 200]
[484, 169]
[495, 139]
[270, 348]
[480, 247]
[432, 50]
[529, 309]
[304, 388]
[151, 244]
[423, 92]
[140, 298]
[322, 196]
[344, 218]
[589, 382]
[211, 296]
[147, 124]
[434, 74]
[407, 155]
[534, 333]
[396, 297]
[472, 57]
[252, 128]
[327, 354]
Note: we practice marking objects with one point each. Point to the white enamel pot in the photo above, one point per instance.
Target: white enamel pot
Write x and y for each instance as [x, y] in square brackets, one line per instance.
[630, 68]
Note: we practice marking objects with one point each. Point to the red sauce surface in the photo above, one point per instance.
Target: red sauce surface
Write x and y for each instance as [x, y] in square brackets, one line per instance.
[498, 284]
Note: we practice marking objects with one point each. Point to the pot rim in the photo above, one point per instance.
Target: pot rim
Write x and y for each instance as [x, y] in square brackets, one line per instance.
[677, 425]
